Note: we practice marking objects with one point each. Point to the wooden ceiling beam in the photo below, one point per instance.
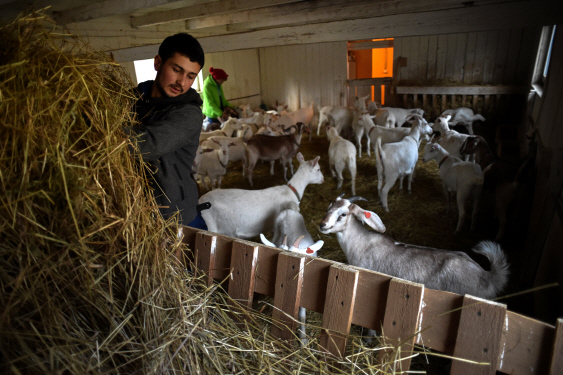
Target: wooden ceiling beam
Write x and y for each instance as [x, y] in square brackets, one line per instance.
[108, 8]
[316, 11]
[214, 8]
[476, 18]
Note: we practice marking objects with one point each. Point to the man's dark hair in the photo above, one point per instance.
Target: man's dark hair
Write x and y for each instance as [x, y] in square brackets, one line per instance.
[185, 45]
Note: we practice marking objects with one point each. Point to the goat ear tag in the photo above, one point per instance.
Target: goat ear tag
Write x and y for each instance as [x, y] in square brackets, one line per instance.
[309, 251]
[368, 215]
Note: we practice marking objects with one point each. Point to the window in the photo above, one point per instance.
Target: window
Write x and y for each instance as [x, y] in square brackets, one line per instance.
[543, 57]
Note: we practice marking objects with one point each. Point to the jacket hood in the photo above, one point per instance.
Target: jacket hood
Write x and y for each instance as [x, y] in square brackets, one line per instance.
[189, 97]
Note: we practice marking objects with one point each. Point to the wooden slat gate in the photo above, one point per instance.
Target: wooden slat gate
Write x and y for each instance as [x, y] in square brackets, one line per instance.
[461, 326]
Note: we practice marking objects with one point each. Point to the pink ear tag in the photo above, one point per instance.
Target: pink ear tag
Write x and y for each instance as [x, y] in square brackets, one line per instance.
[309, 251]
[368, 215]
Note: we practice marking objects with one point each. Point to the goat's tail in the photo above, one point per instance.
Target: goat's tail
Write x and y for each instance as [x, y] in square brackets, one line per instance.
[498, 275]
[478, 117]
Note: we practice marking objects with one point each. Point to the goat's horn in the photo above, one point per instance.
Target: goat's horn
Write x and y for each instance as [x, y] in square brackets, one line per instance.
[341, 195]
[353, 199]
[296, 243]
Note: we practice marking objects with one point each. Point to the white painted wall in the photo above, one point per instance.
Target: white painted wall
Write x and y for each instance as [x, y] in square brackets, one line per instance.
[301, 74]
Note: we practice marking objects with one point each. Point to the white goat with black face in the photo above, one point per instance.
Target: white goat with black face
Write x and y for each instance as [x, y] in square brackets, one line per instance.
[453, 271]
[290, 228]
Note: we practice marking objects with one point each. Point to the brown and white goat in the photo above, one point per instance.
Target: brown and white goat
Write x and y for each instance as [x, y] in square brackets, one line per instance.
[263, 147]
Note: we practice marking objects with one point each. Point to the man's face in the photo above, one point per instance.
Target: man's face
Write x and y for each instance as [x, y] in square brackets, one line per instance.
[174, 77]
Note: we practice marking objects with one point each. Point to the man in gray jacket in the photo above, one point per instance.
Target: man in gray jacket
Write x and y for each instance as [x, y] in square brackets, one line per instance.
[171, 120]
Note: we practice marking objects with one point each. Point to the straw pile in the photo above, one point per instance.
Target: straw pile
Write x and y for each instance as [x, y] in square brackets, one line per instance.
[89, 283]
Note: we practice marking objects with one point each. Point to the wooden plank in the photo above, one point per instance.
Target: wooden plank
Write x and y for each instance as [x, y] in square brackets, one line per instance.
[189, 234]
[423, 58]
[557, 356]
[512, 57]
[444, 103]
[432, 57]
[205, 254]
[406, 54]
[202, 10]
[479, 63]
[373, 288]
[369, 82]
[475, 103]
[106, 8]
[479, 336]
[441, 57]
[415, 59]
[244, 259]
[266, 271]
[490, 56]
[526, 60]
[435, 110]
[387, 43]
[425, 103]
[339, 307]
[404, 303]
[460, 54]
[462, 90]
[501, 58]
[439, 319]
[287, 298]
[470, 50]
[526, 346]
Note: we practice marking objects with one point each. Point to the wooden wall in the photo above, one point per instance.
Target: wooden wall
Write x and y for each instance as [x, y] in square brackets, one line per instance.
[544, 255]
[243, 85]
[301, 74]
[496, 57]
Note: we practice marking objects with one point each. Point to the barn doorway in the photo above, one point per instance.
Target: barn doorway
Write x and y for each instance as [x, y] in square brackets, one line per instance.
[369, 63]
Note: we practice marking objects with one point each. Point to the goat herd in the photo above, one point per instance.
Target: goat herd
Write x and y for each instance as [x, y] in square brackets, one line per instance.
[466, 167]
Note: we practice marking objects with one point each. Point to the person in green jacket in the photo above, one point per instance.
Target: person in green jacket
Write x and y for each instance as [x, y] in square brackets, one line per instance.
[214, 102]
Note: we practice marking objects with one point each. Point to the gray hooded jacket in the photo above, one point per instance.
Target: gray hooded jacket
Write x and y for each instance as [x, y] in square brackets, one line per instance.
[168, 141]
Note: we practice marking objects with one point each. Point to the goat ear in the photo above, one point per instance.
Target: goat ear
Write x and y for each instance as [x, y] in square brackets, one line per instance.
[265, 241]
[300, 158]
[448, 117]
[368, 217]
[315, 247]
[315, 161]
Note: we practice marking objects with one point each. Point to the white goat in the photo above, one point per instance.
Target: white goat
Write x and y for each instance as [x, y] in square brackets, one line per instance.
[213, 164]
[228, 127]
[400, 114]
[452, 271]
[247, 213]
[341, 117]
[389, 135]
[341, 155]
[450, 140]
[462, 177]
[397, 160]
[237, 150]
[463, 116]
[290, 228]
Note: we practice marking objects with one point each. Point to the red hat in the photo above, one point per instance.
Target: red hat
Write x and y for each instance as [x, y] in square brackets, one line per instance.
[218, 73]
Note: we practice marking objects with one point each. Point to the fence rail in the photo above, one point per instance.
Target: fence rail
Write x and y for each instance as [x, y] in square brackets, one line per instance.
[462, 326]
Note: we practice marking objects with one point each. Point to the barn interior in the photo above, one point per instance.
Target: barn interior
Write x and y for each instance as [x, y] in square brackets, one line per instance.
[500, 58]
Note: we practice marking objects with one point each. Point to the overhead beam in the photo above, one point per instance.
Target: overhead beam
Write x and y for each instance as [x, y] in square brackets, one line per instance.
[477, 18]
[109, 8]
[214, 8]
[315, 11]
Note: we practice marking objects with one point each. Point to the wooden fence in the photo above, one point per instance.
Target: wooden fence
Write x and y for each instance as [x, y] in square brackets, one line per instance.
[485, 100]
[462, 326]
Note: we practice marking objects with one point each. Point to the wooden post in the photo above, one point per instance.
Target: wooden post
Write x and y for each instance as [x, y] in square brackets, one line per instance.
[244, 259]
[401, 322]
[405, 100]
[189, 234]
[478, 336]
[287, 298]
[557, 356]
[444, 103]
[205, 252]
[338, 309]
[425, 103]
[475, 102]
